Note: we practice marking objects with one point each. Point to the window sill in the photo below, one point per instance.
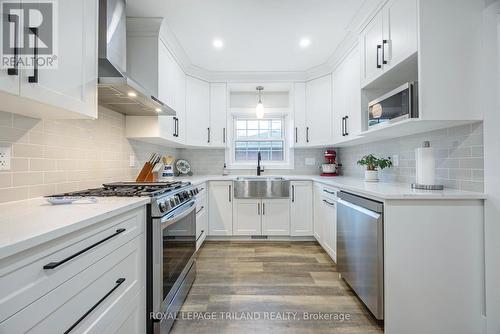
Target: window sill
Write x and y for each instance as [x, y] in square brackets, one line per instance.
[265, 166]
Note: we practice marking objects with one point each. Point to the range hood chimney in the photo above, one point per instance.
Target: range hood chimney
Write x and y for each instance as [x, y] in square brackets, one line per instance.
[116, 90]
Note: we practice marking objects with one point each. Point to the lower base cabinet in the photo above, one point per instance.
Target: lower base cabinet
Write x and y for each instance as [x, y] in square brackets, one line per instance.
[101, 290]
[220, 208]
[261, 217]
[325, 219]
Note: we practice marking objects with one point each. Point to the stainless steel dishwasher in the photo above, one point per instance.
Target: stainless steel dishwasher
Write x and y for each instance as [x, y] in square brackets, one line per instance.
[360, 248]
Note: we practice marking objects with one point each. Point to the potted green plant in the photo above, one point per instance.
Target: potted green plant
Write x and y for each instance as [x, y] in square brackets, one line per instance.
[373, 164]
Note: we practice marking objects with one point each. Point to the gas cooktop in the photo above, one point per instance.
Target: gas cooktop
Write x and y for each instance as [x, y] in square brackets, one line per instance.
[129, 189]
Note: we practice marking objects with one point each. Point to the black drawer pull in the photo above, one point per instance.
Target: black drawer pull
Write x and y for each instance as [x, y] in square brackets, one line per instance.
[329, 192]
[202, 207]
[329, 203]
[201, 233]
[118, 283]
[34, 78]
[53, 265]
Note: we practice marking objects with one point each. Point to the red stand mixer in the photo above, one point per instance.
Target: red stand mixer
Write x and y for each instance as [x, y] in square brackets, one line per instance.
[330, 167]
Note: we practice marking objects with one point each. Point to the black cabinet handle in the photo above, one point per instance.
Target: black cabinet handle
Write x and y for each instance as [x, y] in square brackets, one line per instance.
[202, 207]
[201, 233]
[34, 78]
[384, 43]
[329, 192]
[224, 135]
[15, 19]
[229, 193]
[177, 127]
[293, 193]
[378, 52]
[53, 265]
[208, 131]
[307, 134]
[296, 135]
[263, 209]
[345, 125]
[343, 129]
[118, 283]
[258, 209]
[329, 203]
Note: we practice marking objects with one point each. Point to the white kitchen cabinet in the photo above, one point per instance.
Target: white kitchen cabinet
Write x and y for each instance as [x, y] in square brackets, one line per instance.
[197, 112]
[329, 208]
[400, 31]
[261, 217]
[318, 219]
[347, 120]
[319, 111]
[301, 208]
[325, 218]
[220, 210]
[276, 217]
[218, 114]
[247, 217]
[39, 299]
[69, 89]
[389, 38]
[300, 122]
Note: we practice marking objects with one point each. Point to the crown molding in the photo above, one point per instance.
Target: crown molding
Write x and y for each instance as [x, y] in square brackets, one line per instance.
[160, 27]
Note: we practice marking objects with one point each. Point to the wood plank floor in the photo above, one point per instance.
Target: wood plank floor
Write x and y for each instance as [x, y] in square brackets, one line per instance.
[264, 277]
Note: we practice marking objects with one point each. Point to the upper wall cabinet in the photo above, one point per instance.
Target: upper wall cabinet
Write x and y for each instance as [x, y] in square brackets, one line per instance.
[218, 114]
[197, 112]
[389, 38]
[151, 63]
[347, 120]
[319, 111]
[65, 87]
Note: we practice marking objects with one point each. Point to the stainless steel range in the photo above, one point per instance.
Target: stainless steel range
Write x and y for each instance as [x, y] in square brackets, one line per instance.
[170, 244]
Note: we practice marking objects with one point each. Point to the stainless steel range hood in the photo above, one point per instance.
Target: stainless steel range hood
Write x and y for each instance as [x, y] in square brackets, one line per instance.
[116, 90]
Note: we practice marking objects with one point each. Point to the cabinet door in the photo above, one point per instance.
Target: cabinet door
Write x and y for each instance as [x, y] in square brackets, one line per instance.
[220, 210]
[247, 217]
[319, 219]
[330, 227]
[347, 98]
[299, 105]
[166, 75]
[218, 112]
[180, 102]
[201, 226]
[301, 209]
[72, 84]
[276, 217]
[319, 111]
[197, 112]
[371, 42]
[400, 31]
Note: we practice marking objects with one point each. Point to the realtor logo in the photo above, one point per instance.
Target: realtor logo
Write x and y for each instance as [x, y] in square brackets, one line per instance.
[29, 34]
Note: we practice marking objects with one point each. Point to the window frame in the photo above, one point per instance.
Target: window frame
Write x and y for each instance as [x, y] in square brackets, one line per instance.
[288, 156]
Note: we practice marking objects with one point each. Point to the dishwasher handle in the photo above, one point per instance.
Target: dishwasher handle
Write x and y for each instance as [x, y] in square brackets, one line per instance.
[374, 215]
[362, 202]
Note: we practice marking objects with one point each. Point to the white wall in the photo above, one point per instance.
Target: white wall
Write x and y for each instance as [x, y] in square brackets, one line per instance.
[491, 110]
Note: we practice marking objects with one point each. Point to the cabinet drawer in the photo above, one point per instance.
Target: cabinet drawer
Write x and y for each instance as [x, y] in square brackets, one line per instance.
[23, 278]
[89, 301]
[201, 203]
[329, 192]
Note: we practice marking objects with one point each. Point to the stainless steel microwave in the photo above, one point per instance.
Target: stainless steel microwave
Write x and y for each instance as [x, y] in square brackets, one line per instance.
[398, 104]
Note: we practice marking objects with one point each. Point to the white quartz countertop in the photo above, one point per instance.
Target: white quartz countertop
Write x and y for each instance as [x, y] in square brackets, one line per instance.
[380, 190]
[25, 224]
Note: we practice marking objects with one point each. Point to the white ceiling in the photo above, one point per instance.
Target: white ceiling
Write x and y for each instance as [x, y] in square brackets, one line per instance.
[258, 35]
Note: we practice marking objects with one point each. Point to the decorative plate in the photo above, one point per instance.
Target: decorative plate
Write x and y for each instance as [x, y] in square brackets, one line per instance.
[183, 167]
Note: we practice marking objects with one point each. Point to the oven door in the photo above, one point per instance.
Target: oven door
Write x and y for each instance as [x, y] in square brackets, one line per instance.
[174, 247]
[398, 104]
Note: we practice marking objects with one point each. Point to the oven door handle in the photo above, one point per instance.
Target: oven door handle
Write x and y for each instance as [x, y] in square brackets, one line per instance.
[176, 216]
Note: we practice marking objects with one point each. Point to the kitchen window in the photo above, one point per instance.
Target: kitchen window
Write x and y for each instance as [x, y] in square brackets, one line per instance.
[267, 136]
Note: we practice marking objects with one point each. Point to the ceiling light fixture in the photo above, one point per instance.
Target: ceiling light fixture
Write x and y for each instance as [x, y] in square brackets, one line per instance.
[259, 110]
[305, 42]
[218, 43]
[158, 109]
[132, 94]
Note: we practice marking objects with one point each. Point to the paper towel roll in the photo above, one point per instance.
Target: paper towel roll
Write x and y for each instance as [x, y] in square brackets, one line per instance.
[426, 165]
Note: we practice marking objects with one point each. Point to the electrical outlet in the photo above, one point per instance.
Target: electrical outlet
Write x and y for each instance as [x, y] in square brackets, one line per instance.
[131, 160]
[395, 160]
[310, 162]
[5, 158]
